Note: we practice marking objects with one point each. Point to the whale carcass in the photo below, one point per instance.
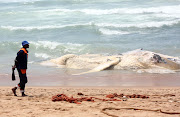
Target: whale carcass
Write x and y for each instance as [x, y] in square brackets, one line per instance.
[137, 60]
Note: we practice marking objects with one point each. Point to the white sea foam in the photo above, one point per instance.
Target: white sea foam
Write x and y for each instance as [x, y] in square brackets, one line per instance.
[162, 9]
[174, 11]
[112, 32]
[74, 48]
[42, 55]
[29, 28]
[44, 27]
[160, 15]
[140, 25]
[14, 1]
[57, 47]
[46, 44]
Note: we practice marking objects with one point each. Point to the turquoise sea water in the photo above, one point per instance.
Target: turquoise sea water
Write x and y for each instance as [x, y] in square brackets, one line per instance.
[58, 27]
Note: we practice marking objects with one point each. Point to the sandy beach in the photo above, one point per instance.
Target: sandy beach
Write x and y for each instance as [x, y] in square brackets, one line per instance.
[90, 58]
[38, 103]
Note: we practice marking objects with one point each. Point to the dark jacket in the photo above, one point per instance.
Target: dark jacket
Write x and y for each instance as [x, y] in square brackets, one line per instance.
[22, 59]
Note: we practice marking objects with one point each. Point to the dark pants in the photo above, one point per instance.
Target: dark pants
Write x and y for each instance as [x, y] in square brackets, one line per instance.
[23, 80]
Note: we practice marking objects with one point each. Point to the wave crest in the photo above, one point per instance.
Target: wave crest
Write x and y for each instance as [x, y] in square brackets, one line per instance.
[162, 9]
[140, 25]
[100, 25]
[112, 32]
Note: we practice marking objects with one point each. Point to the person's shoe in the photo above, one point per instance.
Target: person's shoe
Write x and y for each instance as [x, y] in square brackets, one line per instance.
[23, 95]
[14, 91]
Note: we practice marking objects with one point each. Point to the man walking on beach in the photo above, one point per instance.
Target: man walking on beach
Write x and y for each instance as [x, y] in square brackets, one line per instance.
[21, 65]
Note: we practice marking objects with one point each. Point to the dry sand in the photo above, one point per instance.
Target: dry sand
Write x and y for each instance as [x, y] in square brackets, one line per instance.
[39, 104]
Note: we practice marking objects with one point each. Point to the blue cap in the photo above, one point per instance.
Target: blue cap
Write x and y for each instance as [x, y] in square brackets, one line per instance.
[25, 43]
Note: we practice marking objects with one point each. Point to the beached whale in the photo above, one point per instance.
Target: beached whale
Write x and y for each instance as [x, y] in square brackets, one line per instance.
[109, 63]
[138, 60]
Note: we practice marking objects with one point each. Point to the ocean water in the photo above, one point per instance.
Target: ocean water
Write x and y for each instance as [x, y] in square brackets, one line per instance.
[58, 27]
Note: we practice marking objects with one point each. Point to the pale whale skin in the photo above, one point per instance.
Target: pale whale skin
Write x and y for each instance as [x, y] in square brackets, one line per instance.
[137, 60]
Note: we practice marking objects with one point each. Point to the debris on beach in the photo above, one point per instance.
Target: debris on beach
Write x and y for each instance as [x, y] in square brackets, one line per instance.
[63, 97]
[127, 96]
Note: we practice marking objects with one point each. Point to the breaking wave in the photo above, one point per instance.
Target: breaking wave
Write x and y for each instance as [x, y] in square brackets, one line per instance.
[112, 32]
[162, 9]
[49, 49]
[140, 25]
[42, 55]
[44, 27]
[17, 1]
[46, 49]
[174, 11]
[29, 28]
[100, 25]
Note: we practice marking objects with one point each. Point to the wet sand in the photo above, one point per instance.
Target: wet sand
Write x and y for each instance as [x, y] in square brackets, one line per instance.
[39, 104]
[58, 77]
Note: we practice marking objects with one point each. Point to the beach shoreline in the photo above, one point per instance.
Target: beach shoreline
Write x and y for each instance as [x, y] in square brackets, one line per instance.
[39, 103]
[105, 78]
[88, 49]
